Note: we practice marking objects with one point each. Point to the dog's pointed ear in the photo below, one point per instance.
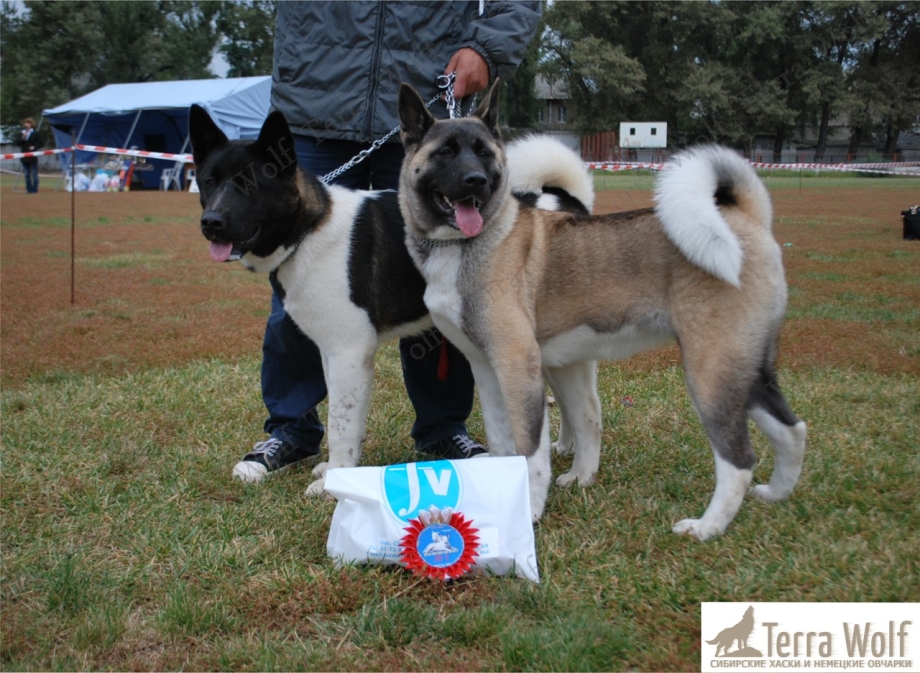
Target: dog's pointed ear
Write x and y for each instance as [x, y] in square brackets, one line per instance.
[204, 134]
[276, 144]
[414, 118]
[487, 110]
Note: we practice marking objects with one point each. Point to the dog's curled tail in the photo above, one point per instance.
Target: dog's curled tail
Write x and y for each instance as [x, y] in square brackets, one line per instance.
[537, 163]
[692, 188]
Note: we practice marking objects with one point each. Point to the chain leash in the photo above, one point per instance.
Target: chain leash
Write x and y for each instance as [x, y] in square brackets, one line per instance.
[445, 83]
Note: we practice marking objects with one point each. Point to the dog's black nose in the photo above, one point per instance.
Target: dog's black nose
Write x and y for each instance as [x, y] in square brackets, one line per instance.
[212, 221]
[475, 179]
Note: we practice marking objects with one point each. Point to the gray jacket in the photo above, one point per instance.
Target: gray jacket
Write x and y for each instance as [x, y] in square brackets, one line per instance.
[338, 65]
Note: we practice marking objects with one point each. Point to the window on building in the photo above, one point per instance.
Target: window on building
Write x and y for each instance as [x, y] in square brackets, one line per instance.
[654, 131]
[632, 131]
[540, 115]
[560, 114]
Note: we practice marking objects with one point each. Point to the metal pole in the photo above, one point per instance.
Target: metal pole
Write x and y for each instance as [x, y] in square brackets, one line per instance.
[73, 210]
[137, 118]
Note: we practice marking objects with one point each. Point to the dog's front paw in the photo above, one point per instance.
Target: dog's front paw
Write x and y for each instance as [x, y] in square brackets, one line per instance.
[697, 528]
[320, 470]
[571, 477]
[316, 489]
[563, 448]
[767, 493]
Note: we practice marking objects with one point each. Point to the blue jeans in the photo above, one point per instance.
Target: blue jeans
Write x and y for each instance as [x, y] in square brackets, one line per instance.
[31, 173]
[292, 371]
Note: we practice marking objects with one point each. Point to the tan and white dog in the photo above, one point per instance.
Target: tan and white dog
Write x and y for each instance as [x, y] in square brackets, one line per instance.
[526, 293]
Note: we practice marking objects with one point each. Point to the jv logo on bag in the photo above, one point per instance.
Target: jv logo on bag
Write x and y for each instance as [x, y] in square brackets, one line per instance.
[409, 489]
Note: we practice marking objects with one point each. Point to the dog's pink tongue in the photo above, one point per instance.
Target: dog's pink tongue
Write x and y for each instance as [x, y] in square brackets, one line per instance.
[469, 221]
[220, 252]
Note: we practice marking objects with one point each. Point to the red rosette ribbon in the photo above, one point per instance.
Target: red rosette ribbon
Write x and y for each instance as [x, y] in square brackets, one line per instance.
[440, 544]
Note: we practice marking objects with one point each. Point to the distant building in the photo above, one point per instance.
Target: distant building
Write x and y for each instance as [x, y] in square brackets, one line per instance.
[553, 115]
[802, 140]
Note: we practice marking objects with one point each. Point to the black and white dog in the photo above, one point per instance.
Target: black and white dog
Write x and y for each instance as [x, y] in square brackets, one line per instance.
[338, 254]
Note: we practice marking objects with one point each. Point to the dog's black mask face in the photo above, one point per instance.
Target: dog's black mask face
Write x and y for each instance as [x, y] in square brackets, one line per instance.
[248, 189]
[452, 168]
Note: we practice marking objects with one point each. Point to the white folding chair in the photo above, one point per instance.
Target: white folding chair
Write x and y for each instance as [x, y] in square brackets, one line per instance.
[170, 177]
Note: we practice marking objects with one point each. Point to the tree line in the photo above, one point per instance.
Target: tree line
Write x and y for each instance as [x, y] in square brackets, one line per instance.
[725, 71]
[53, 52]
[728, 71]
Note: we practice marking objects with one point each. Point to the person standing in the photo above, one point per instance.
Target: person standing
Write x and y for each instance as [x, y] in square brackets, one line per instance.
[30, 141]
[336, 75]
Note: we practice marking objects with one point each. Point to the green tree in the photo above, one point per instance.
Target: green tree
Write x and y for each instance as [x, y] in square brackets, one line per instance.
[519, 104]
[190, 36]
[602, 79]
[708, 69]
[885, 79]
[864, 87]
[10, 97]
[56, 51]
[729, 71]
[833, 32]
[767, 56]
[247, 36]
[51, 56]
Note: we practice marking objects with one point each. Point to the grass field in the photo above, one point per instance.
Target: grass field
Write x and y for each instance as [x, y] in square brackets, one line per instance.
[126, 546]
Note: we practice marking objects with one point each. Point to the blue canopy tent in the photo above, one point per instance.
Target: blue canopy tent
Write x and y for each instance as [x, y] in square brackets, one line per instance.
[153, 116]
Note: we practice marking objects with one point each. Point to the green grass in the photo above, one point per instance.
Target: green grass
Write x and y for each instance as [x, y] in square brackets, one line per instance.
[125, 544]
[624, 180]
[147, 260]
[855, 307]
[645, 179]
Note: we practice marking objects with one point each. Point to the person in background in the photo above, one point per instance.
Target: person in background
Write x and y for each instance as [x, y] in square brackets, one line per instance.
[30, 141]
[336, 75]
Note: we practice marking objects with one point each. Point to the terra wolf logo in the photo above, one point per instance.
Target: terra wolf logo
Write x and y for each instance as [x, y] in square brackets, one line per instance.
[736, 635]
[413, 487]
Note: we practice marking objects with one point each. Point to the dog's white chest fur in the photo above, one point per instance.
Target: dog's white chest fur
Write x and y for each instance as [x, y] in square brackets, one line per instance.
[325, 315]
[441, 271]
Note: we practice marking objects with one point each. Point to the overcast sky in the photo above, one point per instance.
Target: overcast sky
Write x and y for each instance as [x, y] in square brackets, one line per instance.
[219, 65]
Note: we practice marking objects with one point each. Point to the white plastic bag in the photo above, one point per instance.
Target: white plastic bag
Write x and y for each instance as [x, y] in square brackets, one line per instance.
[375, 505]
[99, 182]
[82, 183]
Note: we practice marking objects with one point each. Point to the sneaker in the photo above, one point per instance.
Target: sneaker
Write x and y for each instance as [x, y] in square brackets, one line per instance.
[272, 457]
[456, 448]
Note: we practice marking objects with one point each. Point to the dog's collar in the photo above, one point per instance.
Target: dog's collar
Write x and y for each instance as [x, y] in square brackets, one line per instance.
[429, 243]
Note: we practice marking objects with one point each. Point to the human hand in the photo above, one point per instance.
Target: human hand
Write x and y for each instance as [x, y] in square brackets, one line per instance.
[472, 72]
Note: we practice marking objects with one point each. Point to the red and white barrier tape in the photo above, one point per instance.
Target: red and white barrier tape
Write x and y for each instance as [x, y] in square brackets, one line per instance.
[835, 167]
[885, 169]
[898, 164]
[104, 150]
[42, 153]
[135, 153]
[622, 166]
